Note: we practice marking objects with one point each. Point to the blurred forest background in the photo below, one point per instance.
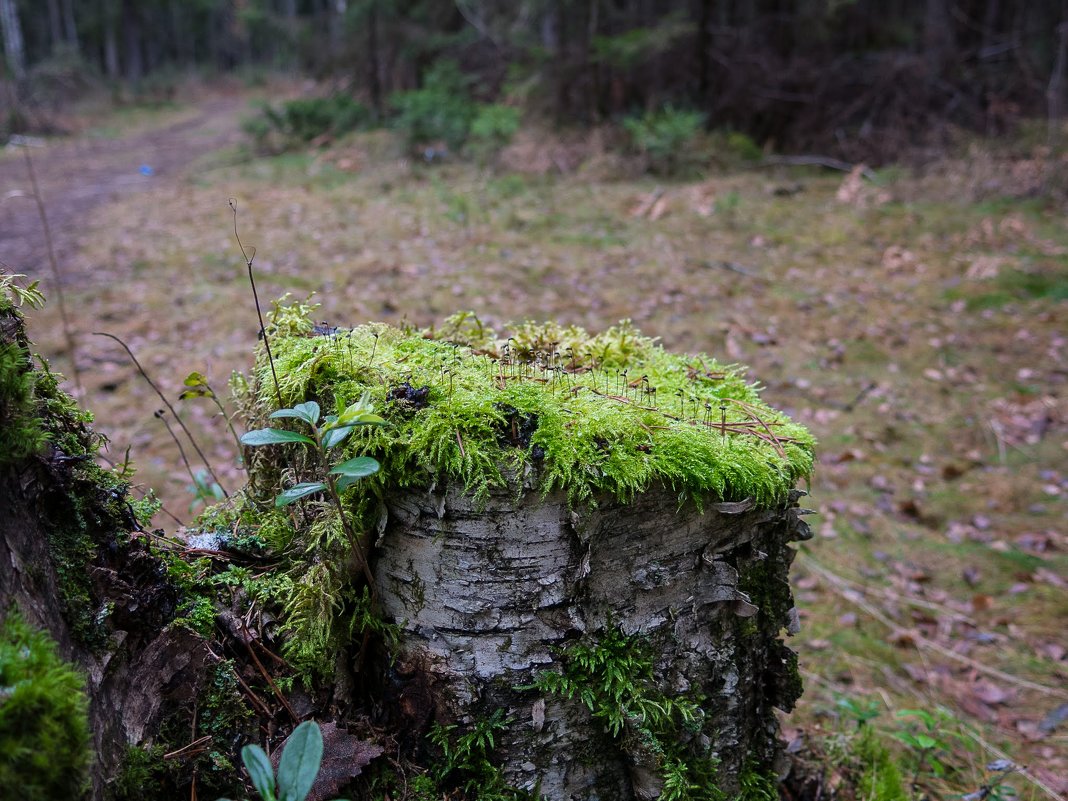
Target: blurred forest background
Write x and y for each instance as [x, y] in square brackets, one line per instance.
[862, 200]
[863, 80]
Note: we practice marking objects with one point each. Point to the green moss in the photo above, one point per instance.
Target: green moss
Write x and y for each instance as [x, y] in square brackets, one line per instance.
[94, 514]
[139, 775]
[757, 785]
[541, 406]
[21, 431]
[91, 510]
[44, 728]
[613, 413]
[612, 675]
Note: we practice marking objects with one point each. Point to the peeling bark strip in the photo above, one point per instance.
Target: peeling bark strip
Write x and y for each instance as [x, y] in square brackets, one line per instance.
[486, 597]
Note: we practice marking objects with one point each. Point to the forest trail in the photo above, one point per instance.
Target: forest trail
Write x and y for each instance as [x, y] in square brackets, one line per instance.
[77, 174]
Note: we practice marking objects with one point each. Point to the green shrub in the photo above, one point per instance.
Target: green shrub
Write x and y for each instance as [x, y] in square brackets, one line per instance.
[493, 128]
[665, 137]
[297, 122]
[442, 111]
[743, 147]
[44, 727]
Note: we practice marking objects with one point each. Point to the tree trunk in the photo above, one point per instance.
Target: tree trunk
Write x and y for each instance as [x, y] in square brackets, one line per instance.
[486, 597]
[374, 80]
[55, 24]
[69, 24]
[131, 29]
[938, 40]
[14, 51]
[1055, 90]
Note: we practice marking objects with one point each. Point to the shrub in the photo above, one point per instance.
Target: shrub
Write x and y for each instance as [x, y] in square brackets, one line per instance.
[493, 128]
[44, 727]
[440, 112]
[665, 137]
[297, 122]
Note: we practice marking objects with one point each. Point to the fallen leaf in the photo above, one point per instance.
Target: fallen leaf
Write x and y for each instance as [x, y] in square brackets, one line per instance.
[1053, 719]
[344, 758]
[990, 693]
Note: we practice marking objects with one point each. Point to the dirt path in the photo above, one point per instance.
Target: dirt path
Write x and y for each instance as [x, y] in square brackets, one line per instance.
[78, 174]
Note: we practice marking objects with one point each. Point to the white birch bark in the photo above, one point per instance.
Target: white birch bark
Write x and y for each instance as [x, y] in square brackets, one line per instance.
[485, 597]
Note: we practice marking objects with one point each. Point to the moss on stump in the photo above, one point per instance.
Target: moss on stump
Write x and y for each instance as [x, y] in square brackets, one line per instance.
[543, 489]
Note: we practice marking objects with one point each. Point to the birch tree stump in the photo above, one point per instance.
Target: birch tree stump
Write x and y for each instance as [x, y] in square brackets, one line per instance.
[486, 595]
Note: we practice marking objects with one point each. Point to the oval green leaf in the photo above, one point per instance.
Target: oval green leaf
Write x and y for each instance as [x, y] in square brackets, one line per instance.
[199, 392]
[309, 410]
[360, 467]
[300, 762]
[297, 492]
[335, 436]
[273, 436]
[259, 770]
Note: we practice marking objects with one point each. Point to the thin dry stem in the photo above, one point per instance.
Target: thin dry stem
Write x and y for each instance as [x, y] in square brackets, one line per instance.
[68, 333]
[256, 298]
[169, 406]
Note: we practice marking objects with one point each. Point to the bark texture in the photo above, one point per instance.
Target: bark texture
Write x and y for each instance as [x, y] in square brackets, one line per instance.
[486, 597]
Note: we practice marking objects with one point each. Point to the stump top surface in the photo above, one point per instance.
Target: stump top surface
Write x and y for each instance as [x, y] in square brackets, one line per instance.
[558, 408]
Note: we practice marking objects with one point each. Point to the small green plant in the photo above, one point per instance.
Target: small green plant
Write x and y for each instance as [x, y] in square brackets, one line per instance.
[493, 128]
[665, 136]
[923, 735]
[197, 386]
[465, 761]
[297, 769]
[204, 491]
[861, 711]
[743, 147]
[334, 431]
[877, 774]
[326, 434]
[440, 112]
[297, 122]
[29, 295]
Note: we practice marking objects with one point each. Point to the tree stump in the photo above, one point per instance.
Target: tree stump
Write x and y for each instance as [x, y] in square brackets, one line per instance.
[488, 596]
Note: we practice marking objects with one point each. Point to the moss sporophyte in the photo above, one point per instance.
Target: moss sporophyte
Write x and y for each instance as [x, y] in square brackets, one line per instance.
[543, 406]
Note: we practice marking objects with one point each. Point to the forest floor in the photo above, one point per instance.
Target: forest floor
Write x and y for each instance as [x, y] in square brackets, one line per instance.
[916, 324]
